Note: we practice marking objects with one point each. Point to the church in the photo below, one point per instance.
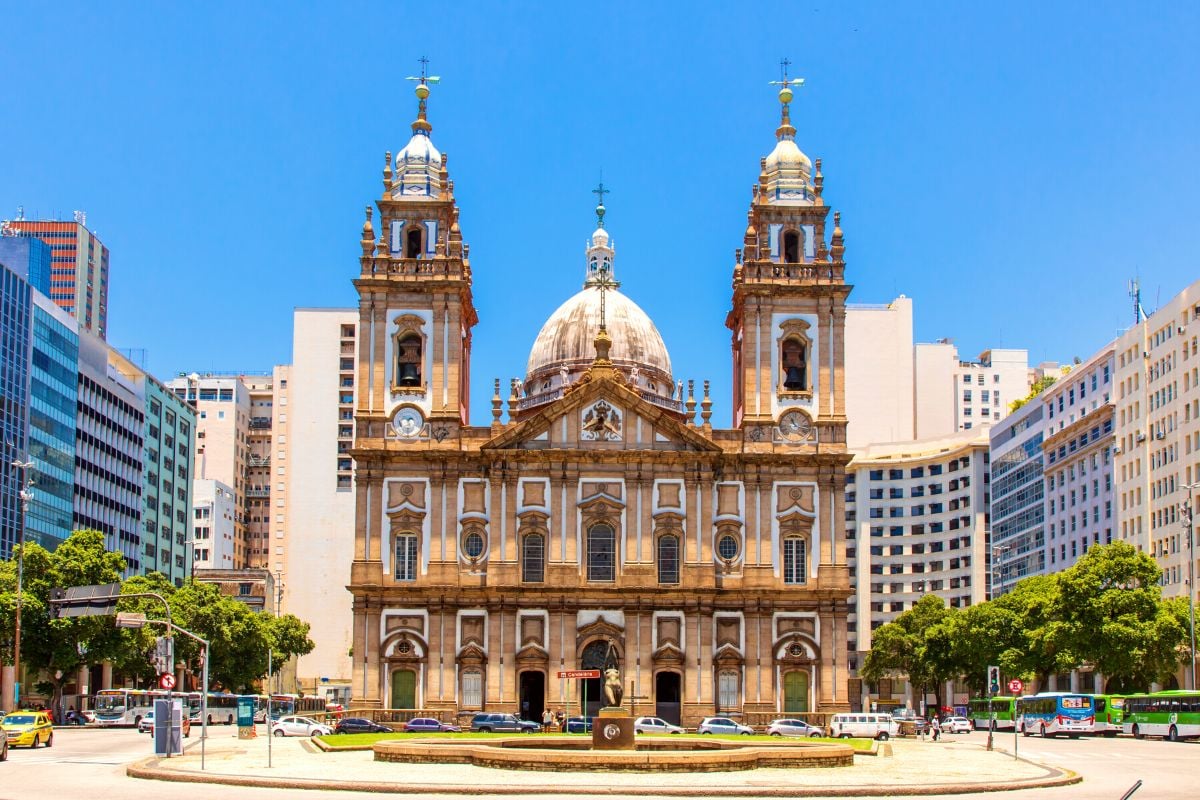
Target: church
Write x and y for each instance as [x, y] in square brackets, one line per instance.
[599, 516]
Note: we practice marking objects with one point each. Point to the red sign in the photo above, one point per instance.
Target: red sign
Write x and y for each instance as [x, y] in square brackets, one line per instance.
[166, 681]
[579, 673]
[1015, 685]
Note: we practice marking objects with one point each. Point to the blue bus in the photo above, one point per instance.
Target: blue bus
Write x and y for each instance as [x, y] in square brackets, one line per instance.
[1052, 713]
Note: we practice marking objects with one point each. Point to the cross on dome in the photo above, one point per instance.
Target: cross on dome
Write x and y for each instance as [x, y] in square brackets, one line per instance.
[600, 249]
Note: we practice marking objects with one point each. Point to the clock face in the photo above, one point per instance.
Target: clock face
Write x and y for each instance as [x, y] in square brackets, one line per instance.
[795, 425]
[408, 422]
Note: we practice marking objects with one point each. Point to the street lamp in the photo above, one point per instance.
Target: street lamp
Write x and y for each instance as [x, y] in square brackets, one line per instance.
[1186, 519]
[26, 495]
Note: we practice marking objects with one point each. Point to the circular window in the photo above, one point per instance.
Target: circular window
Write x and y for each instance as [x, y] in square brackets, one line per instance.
[473, 545]
[727, 547]
[403, 647]
[795, 650]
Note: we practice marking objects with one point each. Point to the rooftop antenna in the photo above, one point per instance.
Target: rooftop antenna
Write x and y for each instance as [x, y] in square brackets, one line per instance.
[1135, 292]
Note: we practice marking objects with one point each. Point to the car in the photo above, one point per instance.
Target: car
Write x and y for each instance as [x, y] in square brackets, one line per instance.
[503, 723]
[956, 725]
[146, 725]
[794, 727]
[359, 725]
[299, 726]
[723, 725]
[578, 725]
[654, 725]
[28, 729]
[429, 725]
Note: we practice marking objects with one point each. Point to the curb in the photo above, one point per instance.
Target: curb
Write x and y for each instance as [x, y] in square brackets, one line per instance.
[148, 769]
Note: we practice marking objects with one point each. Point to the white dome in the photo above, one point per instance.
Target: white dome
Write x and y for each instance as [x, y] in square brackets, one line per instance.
[419, 149]
[787, 154]
[567, 340]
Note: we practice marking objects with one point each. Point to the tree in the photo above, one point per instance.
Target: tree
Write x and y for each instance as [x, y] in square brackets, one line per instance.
[914, 645]
[1037, 648]
[1112, 615]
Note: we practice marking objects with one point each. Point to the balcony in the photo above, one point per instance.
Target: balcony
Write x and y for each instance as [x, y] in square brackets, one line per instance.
[259, 461]
[258, 492]
[260, 423]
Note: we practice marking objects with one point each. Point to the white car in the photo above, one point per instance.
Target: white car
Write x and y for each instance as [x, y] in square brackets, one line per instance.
[956, 725]
[654, 725]
[299, 726]
[794, 727]
[723, 725]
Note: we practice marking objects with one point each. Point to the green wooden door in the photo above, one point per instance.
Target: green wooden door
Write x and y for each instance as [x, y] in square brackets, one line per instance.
[795, 692]
[404, 688]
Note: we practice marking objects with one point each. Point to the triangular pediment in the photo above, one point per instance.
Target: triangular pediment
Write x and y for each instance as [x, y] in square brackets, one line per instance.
[602, 412]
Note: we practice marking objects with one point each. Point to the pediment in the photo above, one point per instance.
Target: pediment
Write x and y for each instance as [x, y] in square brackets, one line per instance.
[668, 653]
[606, 414]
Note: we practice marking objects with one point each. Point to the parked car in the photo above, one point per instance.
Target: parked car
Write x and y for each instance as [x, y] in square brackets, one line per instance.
[299, 726]
[359, 725]
[578, 725]
[30, 728]
[794, 727]
[429, 725]
[956, 725]
[503, 723]
[724, 725]
[654, 725]
[864, 726]
[146, 725]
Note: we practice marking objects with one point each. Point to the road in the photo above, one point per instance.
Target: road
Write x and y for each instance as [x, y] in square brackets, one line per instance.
[91, 764]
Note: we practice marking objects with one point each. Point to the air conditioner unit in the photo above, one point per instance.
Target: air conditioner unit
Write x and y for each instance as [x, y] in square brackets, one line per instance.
[1141, 437]
[1160, 435]
[1117, 450]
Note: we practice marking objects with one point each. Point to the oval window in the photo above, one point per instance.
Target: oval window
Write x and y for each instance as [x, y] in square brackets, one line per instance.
[727, 547]
[473, 545]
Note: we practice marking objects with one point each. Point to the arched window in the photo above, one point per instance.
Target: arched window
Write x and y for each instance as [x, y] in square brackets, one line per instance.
[408, 359]
[533, 558]
[601, 553]
[791, 247]
[668, 558]
[412, 241]
[794, 364]
[406, 557]
[794, 560]
[727, 691]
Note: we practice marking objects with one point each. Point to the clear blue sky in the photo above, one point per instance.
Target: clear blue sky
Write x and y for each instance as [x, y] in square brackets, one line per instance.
[1009, 166]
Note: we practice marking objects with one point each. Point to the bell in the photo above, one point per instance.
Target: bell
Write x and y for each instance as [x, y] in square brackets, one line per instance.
[793, 379]
[409, 375]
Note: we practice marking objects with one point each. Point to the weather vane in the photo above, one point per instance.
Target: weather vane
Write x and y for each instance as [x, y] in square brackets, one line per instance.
[600, 191]
[424, 78]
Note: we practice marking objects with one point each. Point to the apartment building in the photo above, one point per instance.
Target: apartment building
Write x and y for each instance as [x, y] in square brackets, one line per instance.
[1018, 508]
[957, 395]
[1157, 417]
[169, 467]
[214, 531]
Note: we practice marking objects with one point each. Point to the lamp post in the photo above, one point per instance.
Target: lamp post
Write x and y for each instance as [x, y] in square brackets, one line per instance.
[1186, 519]
[26, 495]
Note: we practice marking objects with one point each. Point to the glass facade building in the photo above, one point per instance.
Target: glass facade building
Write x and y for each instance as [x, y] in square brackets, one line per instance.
[29, 258]
[167, 493]
[1018, 542]
[53, 394]
[15, 300]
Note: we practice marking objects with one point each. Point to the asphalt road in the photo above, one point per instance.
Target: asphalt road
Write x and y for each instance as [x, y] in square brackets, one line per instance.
[90, 764]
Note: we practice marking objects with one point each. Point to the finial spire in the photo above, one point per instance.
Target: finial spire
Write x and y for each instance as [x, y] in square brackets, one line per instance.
[421, 125]
[785, 129]
[600, 191]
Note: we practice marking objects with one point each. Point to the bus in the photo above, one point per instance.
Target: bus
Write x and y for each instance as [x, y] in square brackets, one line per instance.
[1173, 715]
[981, 710]
[222, 708]
[284, 705]
[117, 707]
[1110, 711]
[1052, 713]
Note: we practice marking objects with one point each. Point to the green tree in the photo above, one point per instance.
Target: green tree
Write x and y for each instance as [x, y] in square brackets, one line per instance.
[1037, 647]
[914, 645]
[1111, 614]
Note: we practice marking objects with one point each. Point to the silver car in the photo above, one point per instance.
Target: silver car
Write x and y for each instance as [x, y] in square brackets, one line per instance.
[300, 726]
[654, 725]
[724, 725]
[794, 727]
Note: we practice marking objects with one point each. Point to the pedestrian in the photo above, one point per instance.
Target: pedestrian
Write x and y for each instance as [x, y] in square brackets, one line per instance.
[562, 719]
[937, 729]
[547, 719]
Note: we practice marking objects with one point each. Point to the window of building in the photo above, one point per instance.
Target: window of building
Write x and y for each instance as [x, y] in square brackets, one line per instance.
[791, 247]
[601, 553]
[473, 544]
[727, 690]
[668, 558]
[533, 558]
[472, 689]
[794, 364]
[412, 242]
[406, 557]
[794, 568]
[408, 359]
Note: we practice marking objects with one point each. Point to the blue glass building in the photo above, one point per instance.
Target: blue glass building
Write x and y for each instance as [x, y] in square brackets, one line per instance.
[29, 258]
[15, 302]
[54, 378]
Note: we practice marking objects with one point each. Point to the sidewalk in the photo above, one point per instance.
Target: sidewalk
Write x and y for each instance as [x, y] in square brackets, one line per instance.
[916, 768]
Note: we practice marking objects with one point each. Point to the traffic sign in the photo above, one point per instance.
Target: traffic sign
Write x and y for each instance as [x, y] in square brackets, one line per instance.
[1015, 686]
[166, 681]
[579, 673]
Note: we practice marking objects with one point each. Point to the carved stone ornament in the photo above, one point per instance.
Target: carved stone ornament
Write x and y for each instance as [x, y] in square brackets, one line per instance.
[601, 423]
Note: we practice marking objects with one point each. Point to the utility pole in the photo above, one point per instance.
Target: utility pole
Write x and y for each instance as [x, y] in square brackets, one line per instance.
[1186, 519]
[26, 495]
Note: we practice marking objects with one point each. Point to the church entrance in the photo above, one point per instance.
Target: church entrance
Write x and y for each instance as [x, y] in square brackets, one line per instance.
[667, 696]
[795, 692]
[531, 691]
[404, 688]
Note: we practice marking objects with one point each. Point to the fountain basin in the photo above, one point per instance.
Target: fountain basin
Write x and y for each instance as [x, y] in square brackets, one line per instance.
[652, 754]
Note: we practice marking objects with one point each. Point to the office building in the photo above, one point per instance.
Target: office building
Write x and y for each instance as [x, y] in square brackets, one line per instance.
[28, 257]
[1018, 508]
[15, 333]
[79, 267]
[169, 467]
[956, 395]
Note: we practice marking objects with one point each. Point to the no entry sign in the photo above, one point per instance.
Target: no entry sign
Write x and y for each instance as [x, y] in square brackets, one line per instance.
[579, 673]
[166, 681]
[1015, 686]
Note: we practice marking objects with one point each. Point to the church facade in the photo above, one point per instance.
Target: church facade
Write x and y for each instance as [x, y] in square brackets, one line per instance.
[598, 515]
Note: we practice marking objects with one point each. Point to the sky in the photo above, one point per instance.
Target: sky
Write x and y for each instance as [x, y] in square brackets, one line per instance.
[1010, 166]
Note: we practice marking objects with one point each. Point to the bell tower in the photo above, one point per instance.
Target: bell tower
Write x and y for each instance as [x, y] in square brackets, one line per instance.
[789, 299]
[415, 303]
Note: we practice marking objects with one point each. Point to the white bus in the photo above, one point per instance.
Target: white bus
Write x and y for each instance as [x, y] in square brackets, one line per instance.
[116, 707]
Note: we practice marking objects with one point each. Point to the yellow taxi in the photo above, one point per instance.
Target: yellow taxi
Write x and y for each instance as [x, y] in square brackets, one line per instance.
[28, 728]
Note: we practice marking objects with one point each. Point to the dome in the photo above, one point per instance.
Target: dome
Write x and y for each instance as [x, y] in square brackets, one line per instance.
[567, 341]
[787, 154]
[419, 149]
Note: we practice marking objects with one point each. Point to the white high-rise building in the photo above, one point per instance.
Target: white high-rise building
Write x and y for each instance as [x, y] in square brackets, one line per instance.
[214, 533]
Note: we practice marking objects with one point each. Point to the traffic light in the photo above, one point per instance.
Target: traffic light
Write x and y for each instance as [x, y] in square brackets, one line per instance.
[993, 680]
[56, 598]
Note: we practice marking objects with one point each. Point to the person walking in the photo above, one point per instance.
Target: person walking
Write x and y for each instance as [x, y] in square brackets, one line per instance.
[937, 729]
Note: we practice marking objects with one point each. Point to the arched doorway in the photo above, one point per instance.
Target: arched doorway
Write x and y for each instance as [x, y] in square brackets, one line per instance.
[404, 688]
[531, 693]
[795, 692]
[667, 696]
[591, 689]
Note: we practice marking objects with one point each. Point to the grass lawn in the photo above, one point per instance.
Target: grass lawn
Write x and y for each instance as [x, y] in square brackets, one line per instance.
[366, 739]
